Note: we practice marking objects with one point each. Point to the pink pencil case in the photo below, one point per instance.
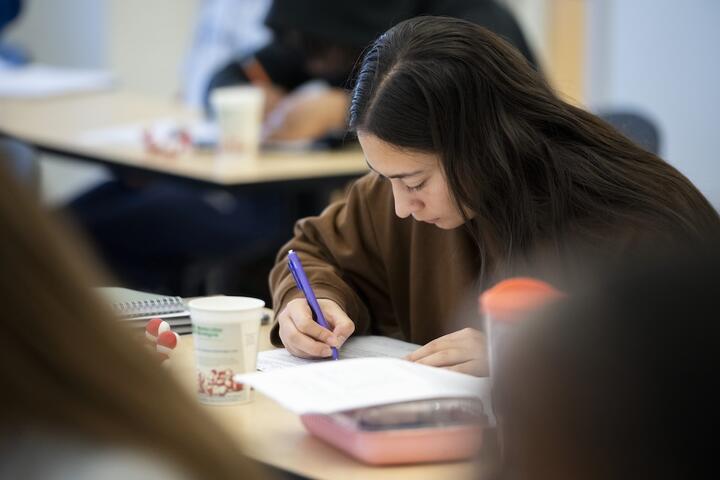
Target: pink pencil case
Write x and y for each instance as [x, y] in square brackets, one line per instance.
[424, 431]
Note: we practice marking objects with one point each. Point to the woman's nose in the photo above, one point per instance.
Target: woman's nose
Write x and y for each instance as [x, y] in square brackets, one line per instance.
[405, 203]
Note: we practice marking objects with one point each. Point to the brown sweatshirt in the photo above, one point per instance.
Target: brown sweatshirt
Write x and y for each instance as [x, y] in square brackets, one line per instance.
[407, 279]
[394, 277]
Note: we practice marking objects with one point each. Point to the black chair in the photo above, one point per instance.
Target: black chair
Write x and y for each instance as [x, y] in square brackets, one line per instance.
[637, 127]
[243, 273]
[21, 160]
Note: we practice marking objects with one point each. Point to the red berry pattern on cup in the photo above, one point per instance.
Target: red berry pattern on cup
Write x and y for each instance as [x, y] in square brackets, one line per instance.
[218, 383]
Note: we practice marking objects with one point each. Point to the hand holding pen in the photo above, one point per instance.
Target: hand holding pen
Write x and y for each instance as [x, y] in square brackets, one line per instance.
[301, 334]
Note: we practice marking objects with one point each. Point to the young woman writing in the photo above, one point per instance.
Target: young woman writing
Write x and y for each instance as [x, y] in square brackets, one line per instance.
[476, 165]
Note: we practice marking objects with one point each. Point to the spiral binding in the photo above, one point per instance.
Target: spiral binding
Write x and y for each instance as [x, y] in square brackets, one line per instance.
[158, 306]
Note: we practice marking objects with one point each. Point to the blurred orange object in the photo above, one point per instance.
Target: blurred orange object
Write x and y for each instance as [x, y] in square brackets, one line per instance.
[508, 302]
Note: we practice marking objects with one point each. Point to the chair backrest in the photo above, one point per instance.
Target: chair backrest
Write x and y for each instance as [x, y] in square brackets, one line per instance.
[637, 127]
[21, 160]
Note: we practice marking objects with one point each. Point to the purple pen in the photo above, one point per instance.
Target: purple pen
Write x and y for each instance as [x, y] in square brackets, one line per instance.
[303, 284]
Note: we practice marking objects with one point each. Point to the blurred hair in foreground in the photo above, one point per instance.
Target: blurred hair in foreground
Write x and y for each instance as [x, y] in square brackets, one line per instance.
[619, 380]
[74, 379]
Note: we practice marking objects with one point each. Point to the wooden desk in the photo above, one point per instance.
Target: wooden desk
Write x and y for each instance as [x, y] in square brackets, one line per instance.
[56, 125]
[275, 436]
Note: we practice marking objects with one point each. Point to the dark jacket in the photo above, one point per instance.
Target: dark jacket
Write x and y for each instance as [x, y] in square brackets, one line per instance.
[357, 24]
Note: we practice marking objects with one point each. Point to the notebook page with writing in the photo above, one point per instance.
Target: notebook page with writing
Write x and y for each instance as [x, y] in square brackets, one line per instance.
[336, 386]
[355, 347]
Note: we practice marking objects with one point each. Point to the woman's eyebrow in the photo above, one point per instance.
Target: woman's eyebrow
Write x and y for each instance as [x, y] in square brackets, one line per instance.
[397, 175]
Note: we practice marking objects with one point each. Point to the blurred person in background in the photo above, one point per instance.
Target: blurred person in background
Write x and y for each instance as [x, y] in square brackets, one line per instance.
[182, 234]
[619, 381]
[81, 398]
[320, 40]
[224, 30]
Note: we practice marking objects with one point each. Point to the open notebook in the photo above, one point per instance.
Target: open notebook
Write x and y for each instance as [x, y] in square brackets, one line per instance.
[138, 307]
[335, 386]
[356, 347]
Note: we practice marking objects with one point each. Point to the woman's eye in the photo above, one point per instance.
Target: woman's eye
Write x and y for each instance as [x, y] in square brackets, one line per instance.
[416, 188]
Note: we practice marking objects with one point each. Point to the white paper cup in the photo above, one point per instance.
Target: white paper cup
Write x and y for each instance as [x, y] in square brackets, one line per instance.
[239, 113]
[225, 332]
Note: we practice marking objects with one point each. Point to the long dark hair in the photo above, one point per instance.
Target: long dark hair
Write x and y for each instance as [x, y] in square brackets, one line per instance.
[533, 168]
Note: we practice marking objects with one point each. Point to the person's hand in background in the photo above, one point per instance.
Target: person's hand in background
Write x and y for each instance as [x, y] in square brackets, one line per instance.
[463, 351]
[308, 113]
[303, 337]
[273, 96]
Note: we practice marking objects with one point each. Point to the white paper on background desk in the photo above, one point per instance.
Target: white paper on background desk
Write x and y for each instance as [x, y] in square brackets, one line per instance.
[37, 81]
[121, 135]
[355, 347]
[331, 387]
[162, 130]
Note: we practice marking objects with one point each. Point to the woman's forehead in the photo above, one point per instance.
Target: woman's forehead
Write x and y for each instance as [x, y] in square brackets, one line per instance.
[392, 161]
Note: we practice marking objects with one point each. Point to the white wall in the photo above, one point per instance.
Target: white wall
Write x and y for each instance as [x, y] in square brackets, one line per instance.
[532, 16]
[661, 57]
[67, 32]
[141, 41]
[147, 41]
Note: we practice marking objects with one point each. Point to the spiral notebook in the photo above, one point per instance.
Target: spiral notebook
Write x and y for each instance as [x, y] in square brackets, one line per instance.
[134, 306]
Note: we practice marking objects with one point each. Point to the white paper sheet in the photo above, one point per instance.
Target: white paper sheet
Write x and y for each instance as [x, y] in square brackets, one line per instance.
[162, 130]
[330, 387]
[35, 81]
[355, 347]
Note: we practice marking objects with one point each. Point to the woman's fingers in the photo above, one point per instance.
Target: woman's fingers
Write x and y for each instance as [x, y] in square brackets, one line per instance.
[301, 315]
[446, 357]
[342, 326]
[300, 344]
[463, 351]
[304, 337]
[439, 344]
[477, 368]
[300, 334]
